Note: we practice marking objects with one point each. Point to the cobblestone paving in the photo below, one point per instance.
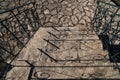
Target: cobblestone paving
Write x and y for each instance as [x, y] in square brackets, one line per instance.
[66, 12]
[9, 4]
[67, 20]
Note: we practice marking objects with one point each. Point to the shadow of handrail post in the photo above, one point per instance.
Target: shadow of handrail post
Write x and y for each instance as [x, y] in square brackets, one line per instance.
[31, 70]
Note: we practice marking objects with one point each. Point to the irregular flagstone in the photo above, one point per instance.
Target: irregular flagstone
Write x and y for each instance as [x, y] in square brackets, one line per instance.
[54, 19]
[69, 8]
[47, 11]
[71, 21]
[74, 19]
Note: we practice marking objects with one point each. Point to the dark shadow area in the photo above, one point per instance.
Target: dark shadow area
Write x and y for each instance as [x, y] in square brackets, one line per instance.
[4, 68]
[114, 53]
[114, 50]
[117, 2]
[105, 41]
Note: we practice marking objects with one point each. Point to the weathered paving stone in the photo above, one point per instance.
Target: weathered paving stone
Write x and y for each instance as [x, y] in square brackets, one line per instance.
[47, 19]
[79, 16]
[47, 11]
[75, 9]
[69, 5]
[64, 2]
[48, 24]
[86, 8]
[50, 1]
[51, 6]
[87, 18]
[67, 13]
[69, 9]
[54, 19]
[74, 19]
[60, 14]
[82, 22]
[54, 12]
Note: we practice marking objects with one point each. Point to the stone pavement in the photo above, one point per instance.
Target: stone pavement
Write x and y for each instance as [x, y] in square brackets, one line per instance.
[65, 12]
[66, 24]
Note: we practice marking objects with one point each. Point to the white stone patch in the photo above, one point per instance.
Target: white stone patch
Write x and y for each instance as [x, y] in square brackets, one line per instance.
[47, 11]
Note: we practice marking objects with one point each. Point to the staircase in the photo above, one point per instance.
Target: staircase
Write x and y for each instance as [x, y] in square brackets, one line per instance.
[66, 46]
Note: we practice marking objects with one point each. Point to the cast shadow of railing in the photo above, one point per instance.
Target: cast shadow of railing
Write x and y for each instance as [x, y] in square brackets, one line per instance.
[17, 29]
[106, 24]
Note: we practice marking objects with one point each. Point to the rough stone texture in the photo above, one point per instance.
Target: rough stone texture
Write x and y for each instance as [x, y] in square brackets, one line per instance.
[71, 19]
[10, 4]
[73, 9]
